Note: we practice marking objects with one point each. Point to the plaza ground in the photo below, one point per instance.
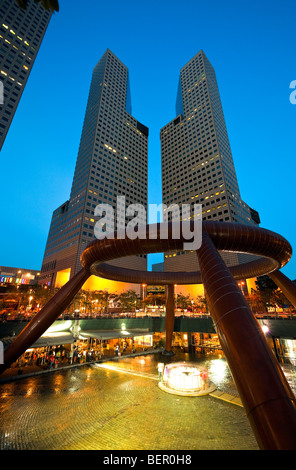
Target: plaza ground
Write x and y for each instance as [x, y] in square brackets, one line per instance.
[91, 407]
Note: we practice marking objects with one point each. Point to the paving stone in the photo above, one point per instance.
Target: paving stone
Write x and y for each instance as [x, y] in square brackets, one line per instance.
[91, 408]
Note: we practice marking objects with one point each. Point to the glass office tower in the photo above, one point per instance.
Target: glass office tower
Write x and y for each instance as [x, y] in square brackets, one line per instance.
[21, 35]
[112, 161]
[197, 163]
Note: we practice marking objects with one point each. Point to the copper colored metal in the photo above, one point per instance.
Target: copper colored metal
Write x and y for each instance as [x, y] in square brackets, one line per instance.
[274, 250]
[287, 287]
[267, 397]
[44, 319]
[268, 400]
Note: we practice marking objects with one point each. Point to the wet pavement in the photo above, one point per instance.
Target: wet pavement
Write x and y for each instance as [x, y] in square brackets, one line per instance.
[96, 408]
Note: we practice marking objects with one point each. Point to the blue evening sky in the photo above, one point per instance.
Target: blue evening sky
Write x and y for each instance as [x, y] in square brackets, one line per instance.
[250, 44]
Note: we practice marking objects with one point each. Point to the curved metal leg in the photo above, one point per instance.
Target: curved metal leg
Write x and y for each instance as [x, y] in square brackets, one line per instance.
[268, 400]
[169, 319]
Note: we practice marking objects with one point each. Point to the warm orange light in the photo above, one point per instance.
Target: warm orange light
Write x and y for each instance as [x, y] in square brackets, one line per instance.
[98, 283]
[251, 284]
[192, 290]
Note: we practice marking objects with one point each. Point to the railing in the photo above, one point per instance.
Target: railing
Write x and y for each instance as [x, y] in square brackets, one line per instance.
[75, 316]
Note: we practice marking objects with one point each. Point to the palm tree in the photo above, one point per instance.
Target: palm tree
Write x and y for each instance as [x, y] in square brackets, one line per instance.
[154, 299]
[183, 301]
[202, 304]
[256, 301]
[103, 297]
[41, 295]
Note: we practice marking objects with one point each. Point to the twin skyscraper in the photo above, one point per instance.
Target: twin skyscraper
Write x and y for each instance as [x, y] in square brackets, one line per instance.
[197, 165]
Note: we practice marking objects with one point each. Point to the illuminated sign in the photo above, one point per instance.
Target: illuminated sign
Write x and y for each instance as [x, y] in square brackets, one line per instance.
[11, 280]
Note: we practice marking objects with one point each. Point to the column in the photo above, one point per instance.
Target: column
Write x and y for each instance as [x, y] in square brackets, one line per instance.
[191, 348]
[266, 395]
[44, 319]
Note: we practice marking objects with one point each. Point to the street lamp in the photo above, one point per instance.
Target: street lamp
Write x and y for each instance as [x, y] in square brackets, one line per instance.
[265, 329]
[176, 296]
[143, 286]
[241, 284]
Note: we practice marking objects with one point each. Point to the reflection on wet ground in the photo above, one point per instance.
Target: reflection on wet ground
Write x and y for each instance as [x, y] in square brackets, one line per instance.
[91, 408]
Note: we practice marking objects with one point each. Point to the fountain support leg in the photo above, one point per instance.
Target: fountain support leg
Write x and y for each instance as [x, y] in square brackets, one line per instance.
[266, 395]
[287, 287]
[169, 320]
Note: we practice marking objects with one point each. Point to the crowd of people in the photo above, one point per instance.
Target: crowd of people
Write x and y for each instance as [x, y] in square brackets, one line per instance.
[56, 356]
[49, 358]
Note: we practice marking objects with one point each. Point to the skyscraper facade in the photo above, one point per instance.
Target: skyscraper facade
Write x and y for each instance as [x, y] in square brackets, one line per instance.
[112, 161]
[21, 34]
[197, 163]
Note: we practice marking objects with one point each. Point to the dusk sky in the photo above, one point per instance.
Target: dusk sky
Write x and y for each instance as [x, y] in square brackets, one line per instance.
[251, 46]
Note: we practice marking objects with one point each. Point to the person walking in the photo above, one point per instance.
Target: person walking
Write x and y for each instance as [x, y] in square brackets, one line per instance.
[160, 368]
[75, 355]
[71, 357]
[51, 361]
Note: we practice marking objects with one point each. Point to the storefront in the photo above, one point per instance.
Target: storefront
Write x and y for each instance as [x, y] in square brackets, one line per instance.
[197, 342]
[107, 342]
[285, 350]
[206, 341]
[57, 345]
